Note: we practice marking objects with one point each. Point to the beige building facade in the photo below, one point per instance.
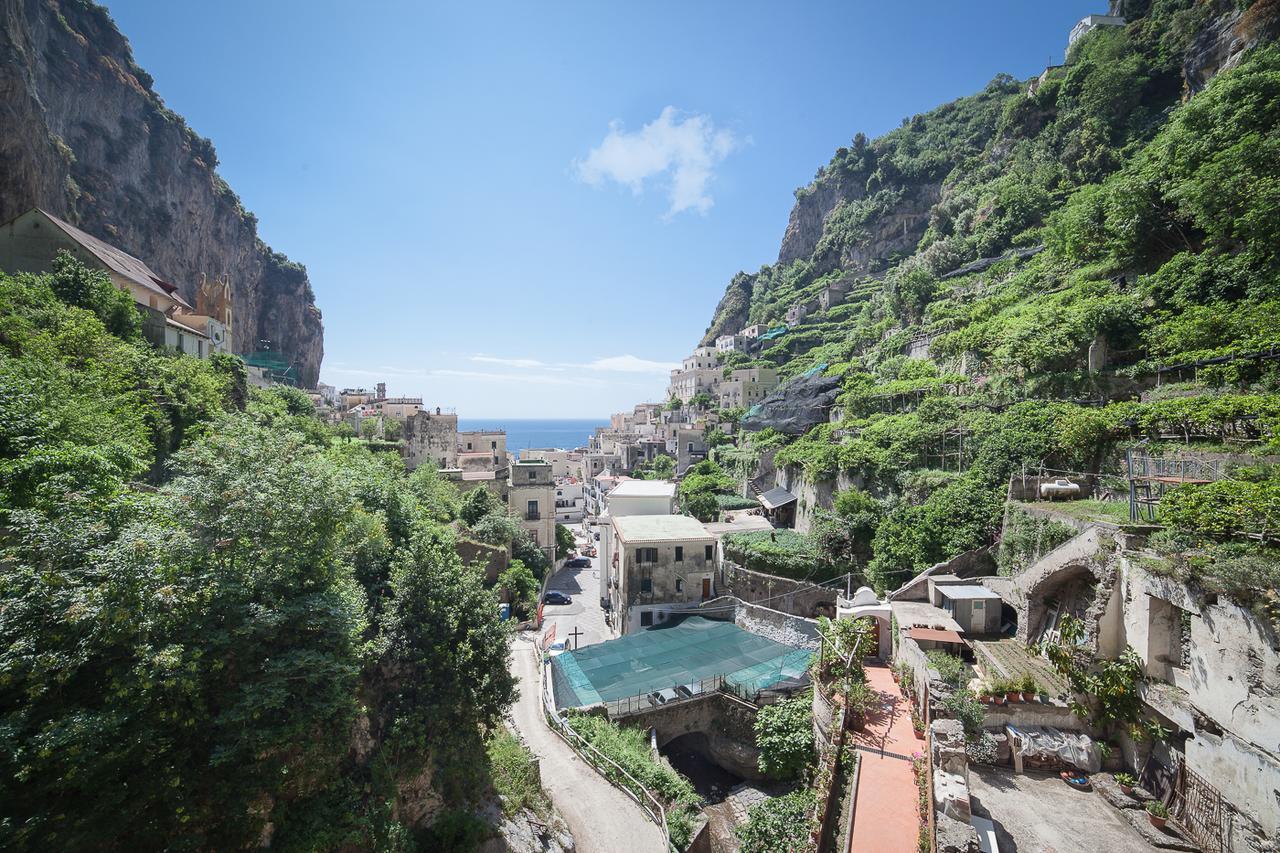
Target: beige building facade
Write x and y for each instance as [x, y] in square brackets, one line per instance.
[663, 563]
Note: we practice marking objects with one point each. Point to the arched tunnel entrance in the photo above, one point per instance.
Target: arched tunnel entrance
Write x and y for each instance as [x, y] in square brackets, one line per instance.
[691, 755]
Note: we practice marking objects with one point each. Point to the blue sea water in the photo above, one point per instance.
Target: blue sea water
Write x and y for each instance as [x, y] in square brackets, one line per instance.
[537, 432]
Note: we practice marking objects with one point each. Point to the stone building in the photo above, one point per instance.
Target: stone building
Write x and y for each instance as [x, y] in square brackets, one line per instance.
[690, 448]
[396, 408]
[531, 496]
[626, 497]
[699, 373]
[662, 563]
[747, 386]
[30, 242]
[729, 343]
[430, 438]
[482, 450]
[564, 463]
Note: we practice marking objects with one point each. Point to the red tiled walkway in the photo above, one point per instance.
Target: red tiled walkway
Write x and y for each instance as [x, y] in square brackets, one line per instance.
[886, 818]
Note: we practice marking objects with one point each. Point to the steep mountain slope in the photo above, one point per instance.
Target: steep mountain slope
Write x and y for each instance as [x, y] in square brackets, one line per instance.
[83, 135]
[1022, 266]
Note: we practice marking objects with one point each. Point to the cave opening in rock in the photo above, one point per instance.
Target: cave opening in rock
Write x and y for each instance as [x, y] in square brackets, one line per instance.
[691, 755]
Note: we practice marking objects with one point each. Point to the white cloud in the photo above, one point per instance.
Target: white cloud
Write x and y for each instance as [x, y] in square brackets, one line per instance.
[508, 362]
[684, 148]
[630, 364]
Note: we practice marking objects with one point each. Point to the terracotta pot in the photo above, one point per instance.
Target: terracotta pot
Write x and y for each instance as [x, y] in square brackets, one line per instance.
[1127, 789]
[1028, 697]
[997, 700]
[1013, 697]
[919, 733]
[1157, 822]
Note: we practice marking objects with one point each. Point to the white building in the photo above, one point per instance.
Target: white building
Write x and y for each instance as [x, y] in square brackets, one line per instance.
[629, 497]
[1089, 23]
[570, 501]
[728, 343]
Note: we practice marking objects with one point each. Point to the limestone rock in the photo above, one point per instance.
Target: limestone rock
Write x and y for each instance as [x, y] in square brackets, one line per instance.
[85, 137]
[795, 407]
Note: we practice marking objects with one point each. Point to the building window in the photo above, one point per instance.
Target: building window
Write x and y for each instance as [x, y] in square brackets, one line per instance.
[646, 618]
[710, 553]
[646, 584]
[532, 474]
[468, 445]
[532, 510]
[679, 584]
[978, 604]
[645, 556]
[679, 554]
[493, 445]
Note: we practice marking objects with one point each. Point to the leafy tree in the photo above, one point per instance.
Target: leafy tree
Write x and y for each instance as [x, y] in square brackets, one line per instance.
[521, 585]
[564, 542]
[784, 735]
[661, 467]
[478, 503]
[92, 289]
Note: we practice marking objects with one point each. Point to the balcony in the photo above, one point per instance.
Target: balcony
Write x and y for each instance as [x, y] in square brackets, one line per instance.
[533, 515]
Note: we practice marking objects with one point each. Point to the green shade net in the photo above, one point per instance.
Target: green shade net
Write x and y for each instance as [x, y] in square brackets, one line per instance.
[676, 652]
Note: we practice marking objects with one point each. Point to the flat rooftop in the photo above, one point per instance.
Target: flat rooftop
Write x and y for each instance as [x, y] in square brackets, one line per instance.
[676, 652]
[644, 489]
[659, 528]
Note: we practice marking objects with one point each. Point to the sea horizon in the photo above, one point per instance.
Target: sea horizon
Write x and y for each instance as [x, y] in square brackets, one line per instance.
[524, 433]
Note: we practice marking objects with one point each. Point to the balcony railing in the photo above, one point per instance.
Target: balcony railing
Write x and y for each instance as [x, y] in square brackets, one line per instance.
[533, 516]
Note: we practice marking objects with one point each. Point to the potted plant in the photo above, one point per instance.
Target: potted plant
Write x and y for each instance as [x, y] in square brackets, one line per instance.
[1011, 689]
[917, 724]
[1157, 813]
[1028, 687]
[1126, 782]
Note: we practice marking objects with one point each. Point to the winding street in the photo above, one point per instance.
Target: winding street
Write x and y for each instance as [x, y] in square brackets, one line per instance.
[601, 818]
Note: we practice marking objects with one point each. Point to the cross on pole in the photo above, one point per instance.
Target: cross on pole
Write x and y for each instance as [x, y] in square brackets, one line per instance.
[575, 633]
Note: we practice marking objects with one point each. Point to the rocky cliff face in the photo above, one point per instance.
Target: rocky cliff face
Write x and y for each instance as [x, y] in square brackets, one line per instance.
[83, 135]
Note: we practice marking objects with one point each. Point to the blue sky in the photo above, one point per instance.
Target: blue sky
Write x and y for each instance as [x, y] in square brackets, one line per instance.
[531, 209]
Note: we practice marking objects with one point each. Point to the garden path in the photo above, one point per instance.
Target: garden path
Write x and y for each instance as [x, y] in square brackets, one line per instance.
[885, 818]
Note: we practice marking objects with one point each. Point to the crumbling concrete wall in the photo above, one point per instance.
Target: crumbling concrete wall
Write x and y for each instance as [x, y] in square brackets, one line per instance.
[1225, 689]
[951, 810]
[813, 496]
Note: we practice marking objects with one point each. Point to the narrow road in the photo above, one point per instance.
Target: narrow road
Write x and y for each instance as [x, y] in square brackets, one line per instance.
[601, 818]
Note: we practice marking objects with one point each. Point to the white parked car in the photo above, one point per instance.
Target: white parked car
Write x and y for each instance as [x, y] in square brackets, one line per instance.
[1060, 488]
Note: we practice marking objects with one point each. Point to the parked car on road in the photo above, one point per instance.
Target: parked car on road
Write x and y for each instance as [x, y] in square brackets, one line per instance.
[554, 597]
[578, 563]
[662, 697]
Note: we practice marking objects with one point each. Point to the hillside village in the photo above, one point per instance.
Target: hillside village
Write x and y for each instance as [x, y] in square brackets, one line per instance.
[957, 530]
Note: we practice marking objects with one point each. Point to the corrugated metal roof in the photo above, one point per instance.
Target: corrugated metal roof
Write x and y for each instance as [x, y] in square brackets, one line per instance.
[776, 497]
[119, 261]
[966, 590]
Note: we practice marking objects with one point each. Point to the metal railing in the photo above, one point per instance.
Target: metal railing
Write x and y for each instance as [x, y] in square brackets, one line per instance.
[599, 761]
[642, 702]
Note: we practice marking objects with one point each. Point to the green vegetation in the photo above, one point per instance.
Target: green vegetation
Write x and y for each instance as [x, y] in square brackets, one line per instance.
[777, 552]
[703, 488]
[217, 616]
[660, 468]
[515, 774]
[1099, 211]
[629, 749]
[784, 734]
[779, 823]
[1026, 538]
[565, 543]
[951, 669]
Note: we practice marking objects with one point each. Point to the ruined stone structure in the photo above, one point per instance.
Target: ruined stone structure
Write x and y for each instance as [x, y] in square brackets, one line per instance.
[431, 437]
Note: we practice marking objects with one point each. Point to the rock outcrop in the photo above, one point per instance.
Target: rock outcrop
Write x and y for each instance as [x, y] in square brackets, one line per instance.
[801, 403]
[84, 136]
